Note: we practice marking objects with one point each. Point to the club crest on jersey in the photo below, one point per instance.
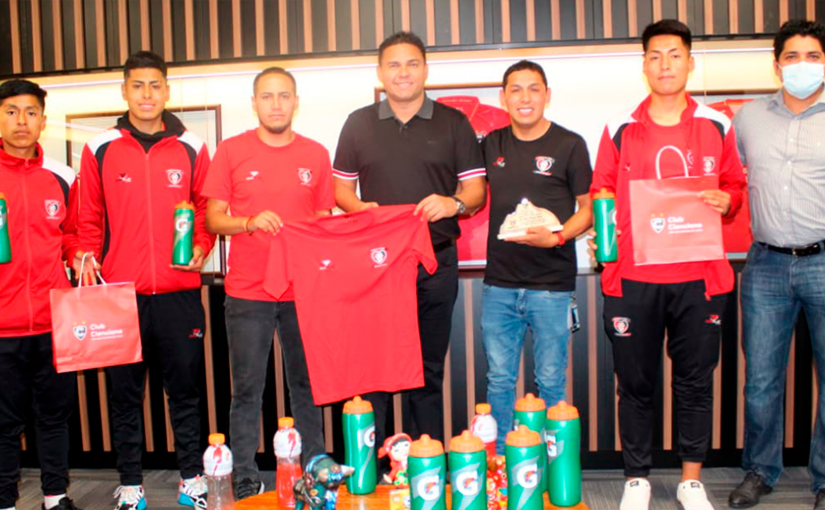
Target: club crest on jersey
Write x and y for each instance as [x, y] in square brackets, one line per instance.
[714, 320]
[52, 208]
[543, 165]
[708, 164]
[124, 178]
[80, 331]
[379, 256]
[657, 223]
[305, 175]
[499, 162]
[621, 325]
[175, 176]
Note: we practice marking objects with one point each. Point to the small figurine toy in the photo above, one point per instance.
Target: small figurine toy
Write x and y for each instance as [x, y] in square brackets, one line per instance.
[318, 488]
[397, 447]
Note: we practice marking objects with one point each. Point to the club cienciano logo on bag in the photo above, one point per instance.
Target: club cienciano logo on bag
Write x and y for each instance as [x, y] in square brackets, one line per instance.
[96, 331]
[674, 224]
[80, 331]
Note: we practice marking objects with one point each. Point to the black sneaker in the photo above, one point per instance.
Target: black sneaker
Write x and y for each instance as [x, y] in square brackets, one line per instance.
[820, 500]
[752, 488]
[248, 487]
[63, 504]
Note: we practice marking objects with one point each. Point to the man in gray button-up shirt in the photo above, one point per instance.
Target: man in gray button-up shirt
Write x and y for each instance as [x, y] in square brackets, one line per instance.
[781, 139]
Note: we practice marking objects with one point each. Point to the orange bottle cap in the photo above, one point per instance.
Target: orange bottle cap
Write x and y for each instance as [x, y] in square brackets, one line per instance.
[2, 196]
[483, 408]
[530, 404]
[185, 205]
[466, 443]
[357, 406]
[562, 412]
[286, 422]
[426, 447]
[216, 439]
[523, 437]
[603, 193]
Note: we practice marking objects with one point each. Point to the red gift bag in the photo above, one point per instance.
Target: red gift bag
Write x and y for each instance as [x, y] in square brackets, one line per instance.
[670, 223]
[95, 326]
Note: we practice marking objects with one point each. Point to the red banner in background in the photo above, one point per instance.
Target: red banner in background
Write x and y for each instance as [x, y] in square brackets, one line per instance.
[472, 242]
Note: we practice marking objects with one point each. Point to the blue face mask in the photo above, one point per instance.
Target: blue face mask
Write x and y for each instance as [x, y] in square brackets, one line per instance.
[802, 79]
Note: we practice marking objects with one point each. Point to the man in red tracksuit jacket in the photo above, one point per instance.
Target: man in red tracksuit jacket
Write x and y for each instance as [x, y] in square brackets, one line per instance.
[132, 177]
[686, 300]
[42, 207]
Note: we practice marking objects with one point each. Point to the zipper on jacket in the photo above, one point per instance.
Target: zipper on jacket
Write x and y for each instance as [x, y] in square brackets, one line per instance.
[151, 230]
[26, 224]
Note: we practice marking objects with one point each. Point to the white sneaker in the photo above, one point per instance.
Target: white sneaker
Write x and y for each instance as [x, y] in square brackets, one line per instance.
[692, 496]
[130, 497]
[636, 495]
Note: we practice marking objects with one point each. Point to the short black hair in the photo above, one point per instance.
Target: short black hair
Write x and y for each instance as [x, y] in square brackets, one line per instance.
[666, 27]
[402, 38]
[796, 27]
[523, 65]
[18, 87]
[143, 60]
[274, 70]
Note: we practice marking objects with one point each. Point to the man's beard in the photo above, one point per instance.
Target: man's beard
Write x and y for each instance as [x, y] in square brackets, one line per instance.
[278, 130]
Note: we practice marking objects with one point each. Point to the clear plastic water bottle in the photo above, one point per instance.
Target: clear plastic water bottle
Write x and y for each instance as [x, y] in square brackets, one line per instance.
[217, 465]
[287, 445]
[484, 426]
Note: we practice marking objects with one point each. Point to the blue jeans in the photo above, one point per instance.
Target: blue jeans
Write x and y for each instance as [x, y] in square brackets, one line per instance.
[775, 286]
[506, 314]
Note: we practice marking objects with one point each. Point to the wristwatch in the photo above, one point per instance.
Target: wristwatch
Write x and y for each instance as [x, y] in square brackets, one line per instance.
[560, 238]
[460, 206]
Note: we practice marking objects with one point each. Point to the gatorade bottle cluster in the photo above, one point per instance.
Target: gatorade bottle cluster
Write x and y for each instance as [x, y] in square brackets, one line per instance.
[287, 443]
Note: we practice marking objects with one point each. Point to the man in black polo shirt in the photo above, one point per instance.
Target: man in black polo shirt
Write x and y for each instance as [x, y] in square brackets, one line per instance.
[530, 279]
[410, 150]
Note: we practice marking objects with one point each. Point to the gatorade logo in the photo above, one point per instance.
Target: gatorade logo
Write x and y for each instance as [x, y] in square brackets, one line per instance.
[175, 176]
[554, 447]
[428, 488]
[528, 476]
[182, 225]
[369, 436]
[466, 481]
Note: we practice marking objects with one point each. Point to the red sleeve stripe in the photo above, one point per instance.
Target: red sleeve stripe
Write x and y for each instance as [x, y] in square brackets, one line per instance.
[350, 176]
[469, 174]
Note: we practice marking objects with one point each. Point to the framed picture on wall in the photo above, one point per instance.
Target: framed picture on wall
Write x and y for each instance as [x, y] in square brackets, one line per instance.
[204, 121]
[480, 102]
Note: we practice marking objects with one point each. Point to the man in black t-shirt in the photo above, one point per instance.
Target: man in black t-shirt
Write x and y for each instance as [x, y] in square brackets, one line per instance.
[530, 279]
[409, 149]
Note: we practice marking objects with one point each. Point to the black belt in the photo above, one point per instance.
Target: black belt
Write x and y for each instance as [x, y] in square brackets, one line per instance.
[799, 251]
[443, 245]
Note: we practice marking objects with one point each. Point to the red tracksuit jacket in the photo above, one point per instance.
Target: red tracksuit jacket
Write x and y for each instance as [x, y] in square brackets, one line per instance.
[626, 153]
[128, 197]
[41, 197]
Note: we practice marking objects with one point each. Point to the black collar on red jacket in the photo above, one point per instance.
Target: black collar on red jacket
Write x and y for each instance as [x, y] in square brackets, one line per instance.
[172, 127]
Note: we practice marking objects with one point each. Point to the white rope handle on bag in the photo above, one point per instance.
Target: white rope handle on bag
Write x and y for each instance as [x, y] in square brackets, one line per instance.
[659, 157]
[83, 263]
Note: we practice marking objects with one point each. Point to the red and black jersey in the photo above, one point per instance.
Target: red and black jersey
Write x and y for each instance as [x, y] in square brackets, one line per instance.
[42, 212]
[354, 277]
[628, 151]
[131, 183]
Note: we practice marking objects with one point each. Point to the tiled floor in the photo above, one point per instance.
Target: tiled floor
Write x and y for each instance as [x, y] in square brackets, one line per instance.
[92, 489]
